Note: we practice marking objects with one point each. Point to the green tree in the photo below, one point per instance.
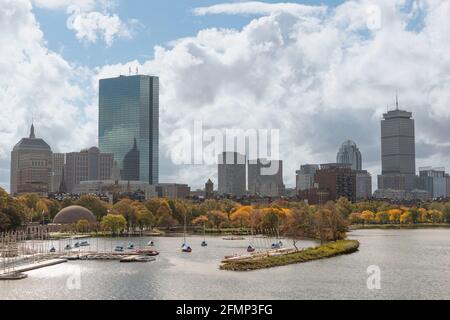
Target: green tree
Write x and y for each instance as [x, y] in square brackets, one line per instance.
[114, 223]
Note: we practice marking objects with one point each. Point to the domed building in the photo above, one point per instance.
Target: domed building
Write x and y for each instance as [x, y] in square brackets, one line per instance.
[71, 215]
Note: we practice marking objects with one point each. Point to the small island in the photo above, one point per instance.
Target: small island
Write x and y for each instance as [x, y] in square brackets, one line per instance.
[268, 260]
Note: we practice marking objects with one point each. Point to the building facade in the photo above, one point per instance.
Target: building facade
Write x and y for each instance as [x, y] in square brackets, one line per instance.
[87, 165]
[350, 154]
[173, 191]
[305, 177]
[59, 160]
[433, 180]
[398, 151]
[31, 166]
[338, 179]
[232, 174]
[265, 178]
[363, 185]
[115, 187]
[209, 188]
[129, 125]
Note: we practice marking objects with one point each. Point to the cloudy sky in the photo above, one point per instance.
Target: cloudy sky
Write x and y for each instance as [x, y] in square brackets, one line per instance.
[320, 71]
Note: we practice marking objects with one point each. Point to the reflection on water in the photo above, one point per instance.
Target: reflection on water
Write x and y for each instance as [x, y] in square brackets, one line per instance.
[414, 265]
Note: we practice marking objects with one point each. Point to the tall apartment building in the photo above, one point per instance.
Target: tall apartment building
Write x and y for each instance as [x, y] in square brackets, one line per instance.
[129, 125]
[265, 178]
[232, 174]
[87, 165]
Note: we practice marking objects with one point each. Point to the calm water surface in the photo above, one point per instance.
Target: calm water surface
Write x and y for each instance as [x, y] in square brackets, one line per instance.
[415, 264]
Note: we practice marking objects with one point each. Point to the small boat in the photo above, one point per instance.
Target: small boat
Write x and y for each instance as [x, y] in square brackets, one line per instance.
[276, 246]
[204, 243]
[147, 252]
[119, 249]
[186, 249]
[251, 249]
[137, 259]
[84, 243]
[68, 247]
[130, 246]
[77, 245]
[13, 276]
[150, 244]
[52, 250]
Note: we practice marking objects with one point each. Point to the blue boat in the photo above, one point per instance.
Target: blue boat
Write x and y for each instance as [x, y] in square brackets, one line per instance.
[84, 243]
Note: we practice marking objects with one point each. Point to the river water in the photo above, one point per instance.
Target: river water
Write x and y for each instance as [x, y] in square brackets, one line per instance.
[414, 264]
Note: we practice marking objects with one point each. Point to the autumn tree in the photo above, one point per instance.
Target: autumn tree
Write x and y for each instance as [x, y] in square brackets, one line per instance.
[95, 205]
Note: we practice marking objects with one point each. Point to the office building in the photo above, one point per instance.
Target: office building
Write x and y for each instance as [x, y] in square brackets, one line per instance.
[209, 188]
[398, 151]
[434, 181]
[173, 191]
[87, 165]
[338, 179]
[58, 162]
[31, 166]
[305, 177]
[129, 125]
[350, 154]
[265, 178]
[363, 185]
[232, 174]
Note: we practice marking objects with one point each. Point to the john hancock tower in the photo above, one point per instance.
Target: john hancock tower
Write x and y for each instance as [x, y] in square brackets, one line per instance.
[129, 125]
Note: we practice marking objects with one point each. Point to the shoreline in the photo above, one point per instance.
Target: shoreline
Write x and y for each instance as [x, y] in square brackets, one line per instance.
[329, 250]
[399, 226]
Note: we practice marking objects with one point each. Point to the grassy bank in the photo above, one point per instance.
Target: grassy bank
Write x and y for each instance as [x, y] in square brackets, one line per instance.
[326, 251]
[400, 226]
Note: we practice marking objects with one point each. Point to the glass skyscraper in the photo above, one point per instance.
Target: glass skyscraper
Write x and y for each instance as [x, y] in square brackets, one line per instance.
[350, 154]
[129, 125]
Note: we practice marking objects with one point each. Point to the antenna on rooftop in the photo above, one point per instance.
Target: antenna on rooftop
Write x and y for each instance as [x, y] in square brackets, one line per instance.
[396, 99]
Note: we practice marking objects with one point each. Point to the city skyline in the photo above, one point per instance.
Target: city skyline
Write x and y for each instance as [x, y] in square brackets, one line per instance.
[64, 105]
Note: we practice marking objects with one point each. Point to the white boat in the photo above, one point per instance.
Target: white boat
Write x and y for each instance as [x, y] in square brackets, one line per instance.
[185, 247]
[119, 249]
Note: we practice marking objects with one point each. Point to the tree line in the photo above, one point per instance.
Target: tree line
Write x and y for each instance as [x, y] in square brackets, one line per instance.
[297, 219]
